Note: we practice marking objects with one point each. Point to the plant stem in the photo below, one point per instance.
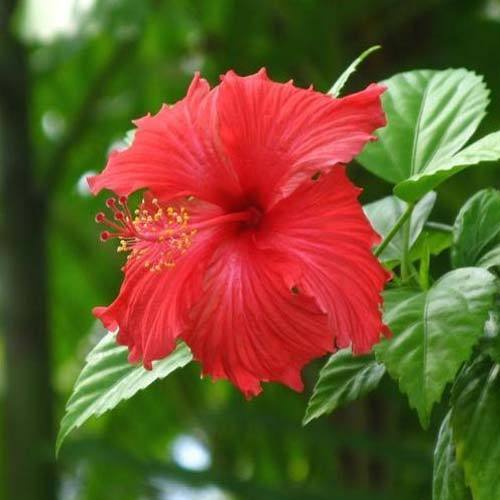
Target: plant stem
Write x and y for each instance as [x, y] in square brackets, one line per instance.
[397, 226]
[405, 256]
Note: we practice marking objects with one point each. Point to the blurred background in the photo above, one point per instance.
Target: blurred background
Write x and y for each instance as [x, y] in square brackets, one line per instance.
[73, 73]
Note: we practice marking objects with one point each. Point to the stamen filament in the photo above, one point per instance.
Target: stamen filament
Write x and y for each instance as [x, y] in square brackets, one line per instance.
[234, 217]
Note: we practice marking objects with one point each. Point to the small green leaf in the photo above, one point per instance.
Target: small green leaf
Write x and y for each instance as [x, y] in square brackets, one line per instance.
[476, 233]
[384, 213]
[448, 481]
[435, 239]
[109, 378]
[485, 149]
[344, 378]
[342, 80]
[475, 413]
[434, 333]
[431, 115]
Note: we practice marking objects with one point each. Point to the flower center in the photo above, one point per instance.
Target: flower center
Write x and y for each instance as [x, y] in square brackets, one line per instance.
[254, 216]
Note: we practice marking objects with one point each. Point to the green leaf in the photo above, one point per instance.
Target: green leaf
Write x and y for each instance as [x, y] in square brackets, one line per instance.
[434, 333]
[431, 115]
[344, 378]
[435, 239]
[448, 481]
[432, 239]
[475, 413]
[342, 80]
[384, 213]
[476, 233]
[490, 259]
[485, 149]
[109, 378]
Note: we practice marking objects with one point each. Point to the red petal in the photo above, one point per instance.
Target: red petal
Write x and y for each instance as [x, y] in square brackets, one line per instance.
[248, 326]
[323, 227]
[174, 153]
[277, 135]
[151, 308]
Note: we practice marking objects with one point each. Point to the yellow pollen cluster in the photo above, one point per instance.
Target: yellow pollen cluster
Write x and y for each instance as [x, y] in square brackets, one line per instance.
[159, 235]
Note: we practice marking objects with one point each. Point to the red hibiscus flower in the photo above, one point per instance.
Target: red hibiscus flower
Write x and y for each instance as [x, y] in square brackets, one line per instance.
[250, 243]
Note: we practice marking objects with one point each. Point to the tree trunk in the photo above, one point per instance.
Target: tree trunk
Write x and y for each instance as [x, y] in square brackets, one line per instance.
[29, 451]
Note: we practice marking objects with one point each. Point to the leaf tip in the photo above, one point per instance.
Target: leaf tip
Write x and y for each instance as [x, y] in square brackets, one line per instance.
[307, 418]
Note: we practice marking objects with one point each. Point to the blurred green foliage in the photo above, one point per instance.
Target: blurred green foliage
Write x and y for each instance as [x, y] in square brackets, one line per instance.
[124, 58]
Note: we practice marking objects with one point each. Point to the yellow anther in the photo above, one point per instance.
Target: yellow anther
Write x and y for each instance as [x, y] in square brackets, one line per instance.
[162, 233]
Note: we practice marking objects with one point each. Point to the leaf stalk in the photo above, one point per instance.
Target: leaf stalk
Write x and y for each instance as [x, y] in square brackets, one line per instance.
[397, 226]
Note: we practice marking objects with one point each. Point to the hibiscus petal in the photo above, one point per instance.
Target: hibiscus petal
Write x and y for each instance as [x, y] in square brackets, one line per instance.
[248, 326]
[174, 153]
[151, 308]
[277, 135]
[323, 228]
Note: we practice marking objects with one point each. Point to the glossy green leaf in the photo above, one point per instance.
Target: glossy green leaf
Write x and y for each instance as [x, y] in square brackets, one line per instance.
[384, 213]
[344, 378]
[475, 413]
[448, 481]
[342, 80]
[431, 115]
[109, 378]
[486, 149]
[434, 333]
[476, 233]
